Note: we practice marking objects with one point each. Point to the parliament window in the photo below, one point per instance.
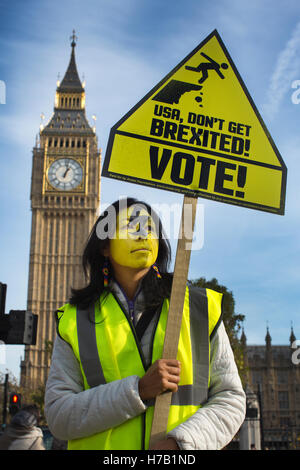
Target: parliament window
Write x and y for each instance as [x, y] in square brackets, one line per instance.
[282, 376]
[283, 400]
[256, 377]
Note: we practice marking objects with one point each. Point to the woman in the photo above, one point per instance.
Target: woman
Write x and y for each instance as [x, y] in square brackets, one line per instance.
[106, 369]
[23, 432]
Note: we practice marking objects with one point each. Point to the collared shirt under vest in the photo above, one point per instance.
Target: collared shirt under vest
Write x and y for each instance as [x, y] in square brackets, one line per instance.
[106, 345]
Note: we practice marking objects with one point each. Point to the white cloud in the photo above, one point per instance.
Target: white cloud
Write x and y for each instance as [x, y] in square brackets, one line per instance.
[286, 70]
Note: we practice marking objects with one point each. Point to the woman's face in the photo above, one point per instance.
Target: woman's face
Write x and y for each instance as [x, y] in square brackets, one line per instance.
[135, 243]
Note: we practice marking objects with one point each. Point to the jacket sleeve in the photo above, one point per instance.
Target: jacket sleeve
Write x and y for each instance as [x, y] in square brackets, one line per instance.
[214, 425]
[73, 412]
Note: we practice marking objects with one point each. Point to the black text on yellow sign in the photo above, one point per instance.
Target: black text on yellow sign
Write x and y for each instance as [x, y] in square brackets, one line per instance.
[198, 132]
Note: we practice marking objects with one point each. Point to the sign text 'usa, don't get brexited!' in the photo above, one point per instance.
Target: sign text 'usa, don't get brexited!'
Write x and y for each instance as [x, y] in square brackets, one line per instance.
[198, 132]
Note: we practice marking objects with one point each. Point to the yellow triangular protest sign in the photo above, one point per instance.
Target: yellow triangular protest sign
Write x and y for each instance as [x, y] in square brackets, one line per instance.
[198, 132]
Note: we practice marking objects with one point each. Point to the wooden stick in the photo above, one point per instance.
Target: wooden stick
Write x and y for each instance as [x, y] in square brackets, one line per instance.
[182, 261]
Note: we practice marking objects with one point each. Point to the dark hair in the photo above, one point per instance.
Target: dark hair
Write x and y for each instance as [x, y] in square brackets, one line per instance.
[93, 259]
[27, 417]
[33, 409]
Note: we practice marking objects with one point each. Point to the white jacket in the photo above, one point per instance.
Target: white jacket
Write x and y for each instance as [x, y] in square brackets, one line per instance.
[73, 412]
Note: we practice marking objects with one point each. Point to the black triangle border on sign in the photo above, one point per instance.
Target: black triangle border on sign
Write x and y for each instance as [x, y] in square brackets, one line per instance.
[114, 130]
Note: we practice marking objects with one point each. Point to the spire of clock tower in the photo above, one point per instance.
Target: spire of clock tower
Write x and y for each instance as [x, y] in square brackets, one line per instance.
[69, 109]
[71, 81]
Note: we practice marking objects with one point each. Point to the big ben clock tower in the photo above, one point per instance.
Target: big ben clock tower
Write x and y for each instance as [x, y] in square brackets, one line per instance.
[65, 196]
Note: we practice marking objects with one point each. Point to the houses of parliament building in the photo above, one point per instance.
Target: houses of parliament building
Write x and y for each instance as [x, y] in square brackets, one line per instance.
[274, 377]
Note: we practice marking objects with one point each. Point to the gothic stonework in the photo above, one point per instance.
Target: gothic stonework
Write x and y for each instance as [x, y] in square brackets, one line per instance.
[65, 196]
[273, 371]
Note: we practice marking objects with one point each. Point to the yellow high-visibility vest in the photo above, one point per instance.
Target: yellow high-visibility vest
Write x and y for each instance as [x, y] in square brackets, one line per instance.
[105, 343]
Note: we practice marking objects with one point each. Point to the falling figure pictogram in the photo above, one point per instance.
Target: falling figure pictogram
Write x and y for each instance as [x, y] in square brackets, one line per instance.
[205, 66]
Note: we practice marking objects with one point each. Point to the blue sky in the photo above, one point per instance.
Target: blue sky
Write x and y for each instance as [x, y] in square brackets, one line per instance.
[125, 47]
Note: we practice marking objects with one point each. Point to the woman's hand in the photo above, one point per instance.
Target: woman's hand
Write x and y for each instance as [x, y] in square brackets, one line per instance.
[162, 376]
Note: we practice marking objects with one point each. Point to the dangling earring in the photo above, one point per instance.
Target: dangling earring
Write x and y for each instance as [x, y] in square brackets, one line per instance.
[105, 272]
[157, 271]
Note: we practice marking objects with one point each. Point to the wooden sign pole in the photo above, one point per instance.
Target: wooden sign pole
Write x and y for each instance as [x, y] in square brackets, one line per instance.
[182, 261]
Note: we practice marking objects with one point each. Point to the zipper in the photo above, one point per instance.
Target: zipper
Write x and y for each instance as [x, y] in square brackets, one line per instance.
[130, 321]
[131, 309]
[150, 358]
[133, 332]
[154, 331]
[142, 359]
[130, 303]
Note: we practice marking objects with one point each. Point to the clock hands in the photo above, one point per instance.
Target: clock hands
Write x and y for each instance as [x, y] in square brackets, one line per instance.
[65, 173]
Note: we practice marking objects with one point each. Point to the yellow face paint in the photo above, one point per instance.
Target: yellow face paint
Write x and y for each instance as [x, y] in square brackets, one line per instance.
[135, 243]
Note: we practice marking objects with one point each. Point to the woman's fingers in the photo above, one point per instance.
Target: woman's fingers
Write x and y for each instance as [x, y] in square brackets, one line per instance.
[163, 375]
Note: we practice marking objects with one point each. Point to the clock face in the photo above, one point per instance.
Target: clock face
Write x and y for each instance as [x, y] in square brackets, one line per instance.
[65, 174]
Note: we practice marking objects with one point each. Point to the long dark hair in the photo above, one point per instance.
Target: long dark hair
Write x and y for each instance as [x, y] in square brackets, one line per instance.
[93, 259]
